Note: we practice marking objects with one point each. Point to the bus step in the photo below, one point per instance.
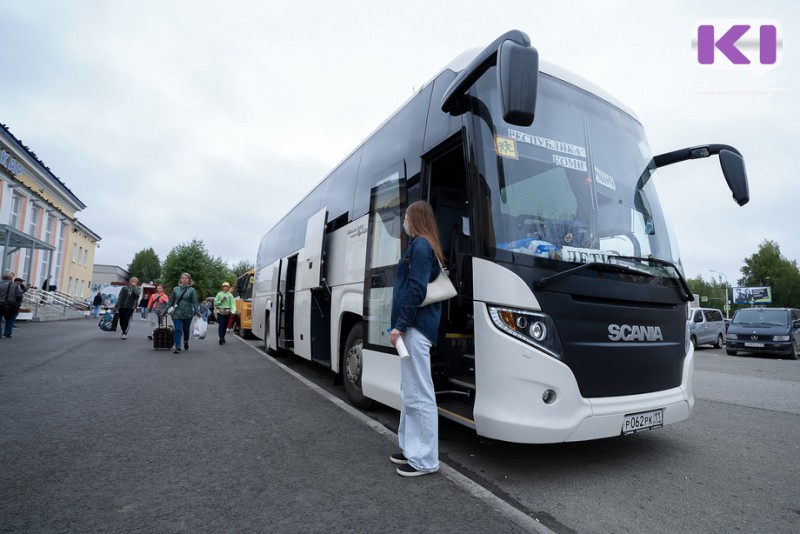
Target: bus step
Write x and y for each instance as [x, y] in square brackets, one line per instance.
[465, 381]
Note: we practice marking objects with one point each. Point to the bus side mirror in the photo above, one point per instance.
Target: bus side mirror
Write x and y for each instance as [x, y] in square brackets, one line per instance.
[735, 174]
[517, 79]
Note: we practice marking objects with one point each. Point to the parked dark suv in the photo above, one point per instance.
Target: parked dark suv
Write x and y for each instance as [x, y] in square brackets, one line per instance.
[765, 330]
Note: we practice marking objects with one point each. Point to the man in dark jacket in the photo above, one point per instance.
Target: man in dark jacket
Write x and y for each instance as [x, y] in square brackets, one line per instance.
[10, 301]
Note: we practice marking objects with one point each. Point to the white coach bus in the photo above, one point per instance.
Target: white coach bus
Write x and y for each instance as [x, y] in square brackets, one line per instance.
[570, 322]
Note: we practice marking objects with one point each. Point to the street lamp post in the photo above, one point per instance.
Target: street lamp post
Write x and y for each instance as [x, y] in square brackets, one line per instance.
[727, 304]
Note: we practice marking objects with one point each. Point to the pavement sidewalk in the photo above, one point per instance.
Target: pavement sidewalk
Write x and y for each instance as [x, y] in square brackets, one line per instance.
[100, 434]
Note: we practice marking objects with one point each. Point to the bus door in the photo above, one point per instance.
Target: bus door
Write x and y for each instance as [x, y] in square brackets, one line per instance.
[386, 240]
[286, 284]
[312, 302]
[453, 361]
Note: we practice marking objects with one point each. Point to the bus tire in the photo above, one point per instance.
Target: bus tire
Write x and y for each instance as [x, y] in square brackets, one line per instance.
[353, 367]
[718, 344]
[694, 342]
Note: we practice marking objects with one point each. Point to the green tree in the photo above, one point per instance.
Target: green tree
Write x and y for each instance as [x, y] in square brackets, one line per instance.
[238, 269]
[768, 267]
[713, 290]
[207, 272]
[146, 266]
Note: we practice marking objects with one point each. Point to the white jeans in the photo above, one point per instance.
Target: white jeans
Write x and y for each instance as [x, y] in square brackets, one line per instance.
[419, 420]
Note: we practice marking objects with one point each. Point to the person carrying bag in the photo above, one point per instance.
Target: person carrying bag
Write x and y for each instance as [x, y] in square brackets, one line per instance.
[183, 305]
[415, 326]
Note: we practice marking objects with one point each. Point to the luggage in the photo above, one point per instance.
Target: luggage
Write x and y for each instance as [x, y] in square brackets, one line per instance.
[163, 335]
[106, 323]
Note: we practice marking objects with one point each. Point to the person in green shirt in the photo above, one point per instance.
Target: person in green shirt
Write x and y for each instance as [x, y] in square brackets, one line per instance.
[224, 306]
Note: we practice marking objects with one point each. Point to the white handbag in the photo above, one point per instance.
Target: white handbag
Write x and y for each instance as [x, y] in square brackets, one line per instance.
[440, 289]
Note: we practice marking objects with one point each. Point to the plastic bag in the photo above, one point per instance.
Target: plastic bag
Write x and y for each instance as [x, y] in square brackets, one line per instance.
[200, 328]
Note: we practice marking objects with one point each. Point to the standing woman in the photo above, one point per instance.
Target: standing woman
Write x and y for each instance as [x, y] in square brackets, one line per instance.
[225, 306]
[126, 304]
[184, 298]
[418, 434]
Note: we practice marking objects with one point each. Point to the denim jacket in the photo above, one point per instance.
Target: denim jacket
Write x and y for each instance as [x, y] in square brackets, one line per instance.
[416, 269]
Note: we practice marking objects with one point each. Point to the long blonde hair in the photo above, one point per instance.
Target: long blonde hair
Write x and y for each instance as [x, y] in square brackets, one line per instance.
[422, 223]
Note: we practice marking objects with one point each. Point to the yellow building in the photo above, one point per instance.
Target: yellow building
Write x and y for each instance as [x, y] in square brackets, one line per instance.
[41, 240]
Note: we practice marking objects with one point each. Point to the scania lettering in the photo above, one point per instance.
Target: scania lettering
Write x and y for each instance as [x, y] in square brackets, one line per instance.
[544, 191]
[634, 333]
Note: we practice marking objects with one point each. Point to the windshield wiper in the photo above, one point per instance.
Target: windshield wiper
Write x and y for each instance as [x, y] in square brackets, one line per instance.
[686, 293]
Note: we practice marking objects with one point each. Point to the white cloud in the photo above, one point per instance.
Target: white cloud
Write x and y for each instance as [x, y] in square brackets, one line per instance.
[209, 119]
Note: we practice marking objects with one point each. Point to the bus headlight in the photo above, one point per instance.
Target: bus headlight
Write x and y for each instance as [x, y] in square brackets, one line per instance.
[534, 328]
[780, 338]
[732, 336]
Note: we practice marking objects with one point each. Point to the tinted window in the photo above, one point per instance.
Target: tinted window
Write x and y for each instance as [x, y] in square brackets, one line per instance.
[765, 317]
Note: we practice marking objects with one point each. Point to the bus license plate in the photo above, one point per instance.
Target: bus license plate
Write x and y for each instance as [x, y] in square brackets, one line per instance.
[754, 345]
[636, 422]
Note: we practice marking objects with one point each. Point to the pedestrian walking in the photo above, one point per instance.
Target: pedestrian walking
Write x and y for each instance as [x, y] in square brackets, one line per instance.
[97, 302]
[225, 306]
[126, 304]
[183, 304]
[157, 309]
[417, 326]
[10, 302]
[143, 307]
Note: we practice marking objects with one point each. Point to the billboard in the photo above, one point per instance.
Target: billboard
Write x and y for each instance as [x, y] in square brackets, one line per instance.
[752, 295]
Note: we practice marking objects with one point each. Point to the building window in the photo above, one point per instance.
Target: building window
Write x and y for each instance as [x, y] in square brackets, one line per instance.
[48, 230]
[60, 251]
[69, 286]
[74, 252]
[16, 202]
[33, 224]
[44, 268]
[85, 257]
[26, 264]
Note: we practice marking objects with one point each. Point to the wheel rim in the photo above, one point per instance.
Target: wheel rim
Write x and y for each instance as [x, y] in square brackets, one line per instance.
[353, 364]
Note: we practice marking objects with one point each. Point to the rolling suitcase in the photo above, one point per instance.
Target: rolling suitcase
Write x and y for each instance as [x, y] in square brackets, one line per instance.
[163, 335]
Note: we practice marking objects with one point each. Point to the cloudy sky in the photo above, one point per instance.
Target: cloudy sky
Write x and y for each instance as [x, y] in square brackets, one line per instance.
[180, 119]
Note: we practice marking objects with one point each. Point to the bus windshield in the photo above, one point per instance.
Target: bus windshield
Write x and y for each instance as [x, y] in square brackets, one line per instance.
[575, 187]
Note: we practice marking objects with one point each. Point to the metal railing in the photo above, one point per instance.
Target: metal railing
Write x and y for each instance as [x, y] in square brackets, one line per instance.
[38, 299]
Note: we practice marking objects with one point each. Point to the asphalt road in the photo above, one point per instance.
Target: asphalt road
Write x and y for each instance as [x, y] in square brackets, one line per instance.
[734, 466]
[97, 434]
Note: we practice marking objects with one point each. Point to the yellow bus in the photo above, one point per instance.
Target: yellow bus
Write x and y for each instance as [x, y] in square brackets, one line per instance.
[243, 294]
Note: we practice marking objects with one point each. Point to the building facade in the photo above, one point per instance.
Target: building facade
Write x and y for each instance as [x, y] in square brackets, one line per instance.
[41, 239]
[107, 275]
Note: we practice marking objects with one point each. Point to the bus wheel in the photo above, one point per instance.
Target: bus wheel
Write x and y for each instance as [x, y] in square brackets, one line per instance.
[793, 354]
[353, 367]
[718, 344]
[694, 342]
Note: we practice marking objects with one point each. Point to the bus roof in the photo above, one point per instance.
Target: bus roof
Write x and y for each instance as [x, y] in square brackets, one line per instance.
[461, 61]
